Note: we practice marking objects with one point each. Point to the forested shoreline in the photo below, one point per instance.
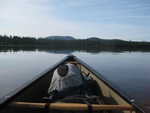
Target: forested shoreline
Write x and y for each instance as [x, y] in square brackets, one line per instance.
[78, 44]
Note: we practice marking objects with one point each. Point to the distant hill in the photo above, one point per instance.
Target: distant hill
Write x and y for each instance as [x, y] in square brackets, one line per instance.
[60, 38]
[94, 38]
[99, 39]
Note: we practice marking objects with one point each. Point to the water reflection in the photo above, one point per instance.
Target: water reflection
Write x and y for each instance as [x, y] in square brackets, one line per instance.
[127, 70]
[20, 67]
[64, 50]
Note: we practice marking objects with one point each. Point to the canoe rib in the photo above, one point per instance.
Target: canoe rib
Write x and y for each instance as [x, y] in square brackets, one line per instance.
[70, 106]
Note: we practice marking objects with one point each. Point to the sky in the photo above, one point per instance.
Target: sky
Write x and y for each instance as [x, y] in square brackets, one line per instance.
[121, 19]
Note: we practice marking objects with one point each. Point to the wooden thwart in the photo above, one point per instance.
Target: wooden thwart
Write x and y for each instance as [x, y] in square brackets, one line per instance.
[71, 106]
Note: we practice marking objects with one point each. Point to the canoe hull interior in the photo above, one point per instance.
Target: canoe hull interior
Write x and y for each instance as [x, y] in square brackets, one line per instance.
[109, 95]
[38, 89]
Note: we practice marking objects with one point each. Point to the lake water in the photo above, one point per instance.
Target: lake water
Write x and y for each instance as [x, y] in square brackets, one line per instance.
[129, 71]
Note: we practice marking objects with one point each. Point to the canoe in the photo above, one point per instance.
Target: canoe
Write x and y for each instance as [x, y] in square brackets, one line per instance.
[104, 98]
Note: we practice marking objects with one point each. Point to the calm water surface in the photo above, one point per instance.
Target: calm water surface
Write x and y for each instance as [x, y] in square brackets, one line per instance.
[129, 71]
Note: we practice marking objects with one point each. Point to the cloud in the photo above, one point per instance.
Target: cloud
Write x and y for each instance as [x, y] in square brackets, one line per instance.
[80, 18]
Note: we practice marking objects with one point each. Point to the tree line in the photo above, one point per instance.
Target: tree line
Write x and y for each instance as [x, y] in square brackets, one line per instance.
[90, 43]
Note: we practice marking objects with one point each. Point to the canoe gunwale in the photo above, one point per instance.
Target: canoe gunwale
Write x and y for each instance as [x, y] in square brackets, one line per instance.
[109, 84]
